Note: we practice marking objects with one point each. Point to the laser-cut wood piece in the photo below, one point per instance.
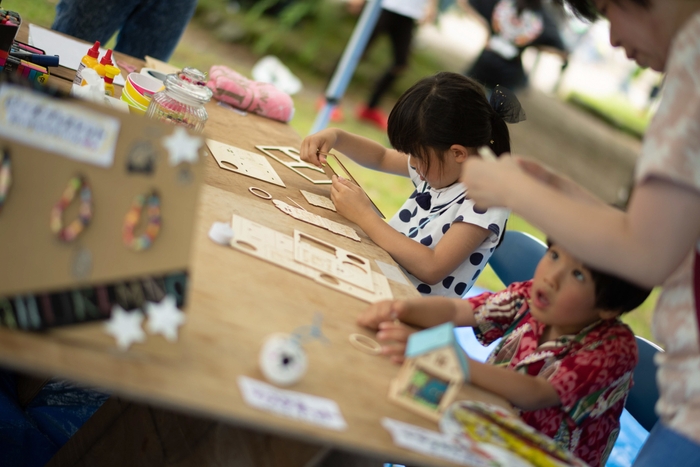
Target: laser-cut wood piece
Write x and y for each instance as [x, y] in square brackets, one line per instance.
[317, 220]
[244, 162]
[332, 260]
[328, 169]
[318, 200]
[277, 248]
[296, 162]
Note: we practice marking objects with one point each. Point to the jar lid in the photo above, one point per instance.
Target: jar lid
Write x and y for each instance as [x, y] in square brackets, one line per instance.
[190, 85]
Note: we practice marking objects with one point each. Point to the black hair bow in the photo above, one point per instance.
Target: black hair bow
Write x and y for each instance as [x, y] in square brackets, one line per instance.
[506, 105]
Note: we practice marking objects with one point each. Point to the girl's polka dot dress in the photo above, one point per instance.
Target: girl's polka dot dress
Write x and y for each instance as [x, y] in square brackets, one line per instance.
[428, 214]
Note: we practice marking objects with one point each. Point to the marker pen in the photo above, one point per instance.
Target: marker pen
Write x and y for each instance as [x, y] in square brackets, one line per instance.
[43, 60]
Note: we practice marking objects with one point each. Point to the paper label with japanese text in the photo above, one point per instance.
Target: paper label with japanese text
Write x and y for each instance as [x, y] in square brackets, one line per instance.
[291, 404]
[58, 126]
[431, 443]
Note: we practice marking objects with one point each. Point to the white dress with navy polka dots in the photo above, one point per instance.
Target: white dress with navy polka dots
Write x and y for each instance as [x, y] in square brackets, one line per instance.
[428, 213]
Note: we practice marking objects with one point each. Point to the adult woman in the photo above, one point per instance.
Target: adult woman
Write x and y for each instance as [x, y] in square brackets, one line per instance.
[657, 240]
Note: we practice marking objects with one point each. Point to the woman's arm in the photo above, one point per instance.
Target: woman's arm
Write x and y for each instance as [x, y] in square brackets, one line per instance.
[427, 264]
[645, 244]
[523, 391]
[362, 150]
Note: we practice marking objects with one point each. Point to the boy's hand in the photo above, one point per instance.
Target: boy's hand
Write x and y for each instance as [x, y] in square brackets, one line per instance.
[320, 142]
[378, 313]
[350, 201]
[393, 335]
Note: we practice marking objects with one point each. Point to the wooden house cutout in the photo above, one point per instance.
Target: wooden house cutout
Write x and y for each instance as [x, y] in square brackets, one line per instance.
[434, 369]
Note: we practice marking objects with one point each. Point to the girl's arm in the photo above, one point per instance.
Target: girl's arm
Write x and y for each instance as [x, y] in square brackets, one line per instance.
[427, 264]
[362, 150]
[523, 391]
[645, 244]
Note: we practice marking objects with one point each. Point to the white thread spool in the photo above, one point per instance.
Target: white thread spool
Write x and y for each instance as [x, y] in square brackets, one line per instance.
[282, 359]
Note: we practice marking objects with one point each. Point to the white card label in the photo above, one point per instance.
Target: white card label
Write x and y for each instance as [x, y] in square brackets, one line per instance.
[392, 272]
[291, 404]
[58, 126]
[431, 443]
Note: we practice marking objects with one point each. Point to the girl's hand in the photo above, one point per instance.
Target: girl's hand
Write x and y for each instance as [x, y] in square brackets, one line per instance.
[393, 335]
[488, 182]
[323, 141]
[350, 201]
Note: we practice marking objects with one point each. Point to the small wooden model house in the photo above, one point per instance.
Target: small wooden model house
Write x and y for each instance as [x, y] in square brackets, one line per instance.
[434, 369]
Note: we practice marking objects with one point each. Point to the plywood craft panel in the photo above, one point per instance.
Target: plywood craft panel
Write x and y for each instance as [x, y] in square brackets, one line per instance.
[279, 249]
[244, 162]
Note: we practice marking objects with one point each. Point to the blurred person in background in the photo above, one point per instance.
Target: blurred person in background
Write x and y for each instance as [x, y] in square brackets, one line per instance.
[145, 27]
[513, 26]
[398, 20]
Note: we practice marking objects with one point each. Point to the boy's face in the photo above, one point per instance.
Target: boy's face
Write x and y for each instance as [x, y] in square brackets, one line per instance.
[563, 293]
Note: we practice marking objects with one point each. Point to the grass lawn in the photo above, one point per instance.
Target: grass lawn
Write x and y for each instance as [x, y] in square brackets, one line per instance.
[388, 191]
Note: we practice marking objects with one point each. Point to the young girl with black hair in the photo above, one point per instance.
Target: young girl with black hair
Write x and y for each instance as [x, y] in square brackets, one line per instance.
[438, 236]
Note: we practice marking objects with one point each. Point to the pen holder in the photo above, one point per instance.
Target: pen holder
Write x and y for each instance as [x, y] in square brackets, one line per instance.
[9, 25]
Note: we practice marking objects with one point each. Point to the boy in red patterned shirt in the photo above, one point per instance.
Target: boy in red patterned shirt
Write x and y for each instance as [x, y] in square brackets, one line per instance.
[565, 359]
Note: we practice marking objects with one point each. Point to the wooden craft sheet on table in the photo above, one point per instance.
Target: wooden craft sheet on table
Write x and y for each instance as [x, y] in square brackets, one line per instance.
[278, 248]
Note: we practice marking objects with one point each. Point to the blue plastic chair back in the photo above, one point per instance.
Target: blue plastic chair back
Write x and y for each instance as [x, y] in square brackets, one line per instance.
[644, 394]
[516, 259]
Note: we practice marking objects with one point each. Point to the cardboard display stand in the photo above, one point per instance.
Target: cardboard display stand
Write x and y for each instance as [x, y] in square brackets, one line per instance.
[46, 282]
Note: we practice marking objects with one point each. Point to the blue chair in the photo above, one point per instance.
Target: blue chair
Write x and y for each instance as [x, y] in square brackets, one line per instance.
[644, 394]
[515, 260]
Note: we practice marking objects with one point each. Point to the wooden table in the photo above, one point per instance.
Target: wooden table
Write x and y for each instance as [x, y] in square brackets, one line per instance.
[235, 301]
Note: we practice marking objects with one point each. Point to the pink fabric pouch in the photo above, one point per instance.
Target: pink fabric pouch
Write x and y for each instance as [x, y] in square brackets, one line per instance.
[252, 96]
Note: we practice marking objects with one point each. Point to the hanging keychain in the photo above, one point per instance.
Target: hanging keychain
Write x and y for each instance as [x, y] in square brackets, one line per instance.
[145, 240]
[5, 176]
[76, 184]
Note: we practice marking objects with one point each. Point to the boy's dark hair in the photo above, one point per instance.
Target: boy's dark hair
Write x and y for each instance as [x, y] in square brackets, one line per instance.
[442, 110]
[586, 8]
[613, 293]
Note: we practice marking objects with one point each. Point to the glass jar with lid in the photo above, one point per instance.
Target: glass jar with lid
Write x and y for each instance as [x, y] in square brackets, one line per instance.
[182, 100]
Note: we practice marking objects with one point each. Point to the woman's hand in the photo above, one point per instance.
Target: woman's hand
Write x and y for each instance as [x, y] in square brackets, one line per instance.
[488, 182]
[320, 142]
[350, 201]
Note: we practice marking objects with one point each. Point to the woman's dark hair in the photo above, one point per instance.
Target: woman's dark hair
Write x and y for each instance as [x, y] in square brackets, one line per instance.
[586, 8]
[613, 293]
[442, 110]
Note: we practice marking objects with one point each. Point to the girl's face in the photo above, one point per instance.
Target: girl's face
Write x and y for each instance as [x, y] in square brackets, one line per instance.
[644, 32]
[441, 173]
